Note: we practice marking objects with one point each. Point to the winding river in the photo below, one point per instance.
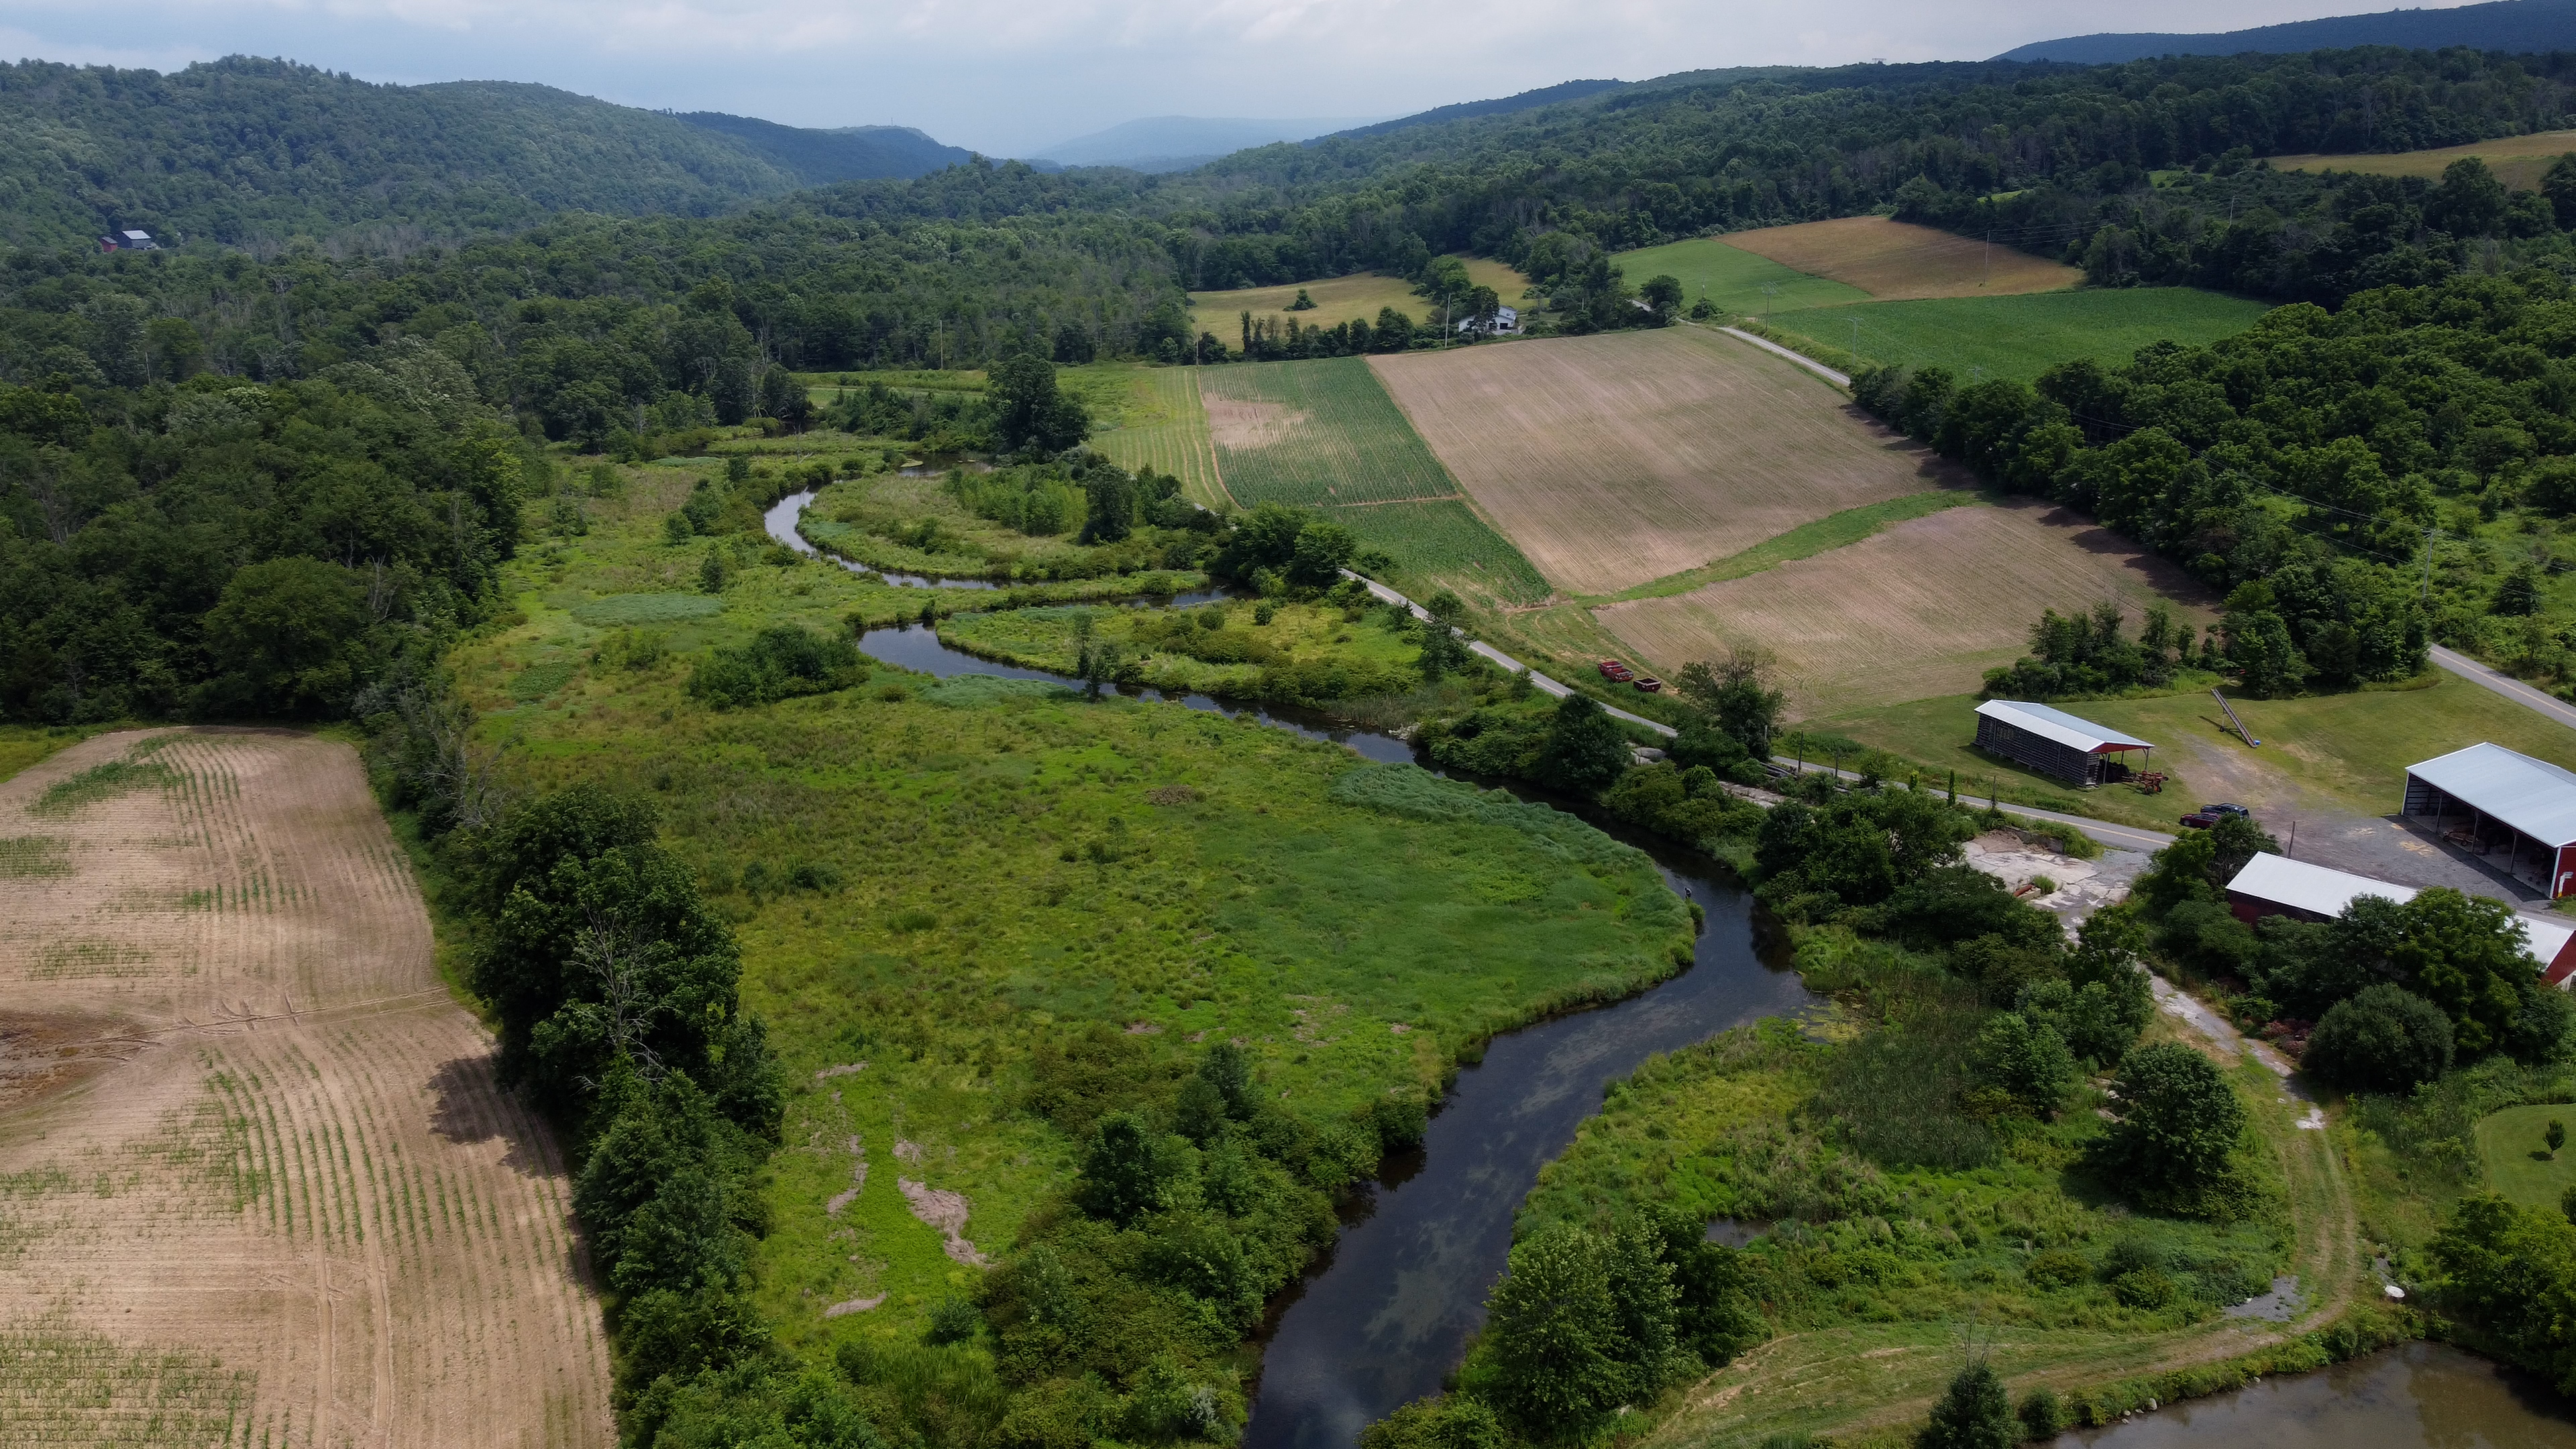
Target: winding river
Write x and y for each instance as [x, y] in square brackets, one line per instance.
[1388, 1312]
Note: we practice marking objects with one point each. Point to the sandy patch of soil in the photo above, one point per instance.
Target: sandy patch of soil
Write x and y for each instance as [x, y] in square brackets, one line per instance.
[1613, 460]
[1242, 425]
[294, 1170]
[946, 1211]
[1892, 260]
[1923, 608]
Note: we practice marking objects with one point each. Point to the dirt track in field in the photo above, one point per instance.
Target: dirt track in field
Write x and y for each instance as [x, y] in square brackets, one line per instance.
[1614, 460]
[1895, 260]
[1921, 609]
[282, 1200]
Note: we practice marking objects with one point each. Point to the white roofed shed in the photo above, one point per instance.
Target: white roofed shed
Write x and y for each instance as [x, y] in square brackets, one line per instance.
[2517, 811]
[2054, 742]
[2272, 885]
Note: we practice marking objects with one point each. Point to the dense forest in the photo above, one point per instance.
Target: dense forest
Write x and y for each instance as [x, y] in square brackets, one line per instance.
[250, 153]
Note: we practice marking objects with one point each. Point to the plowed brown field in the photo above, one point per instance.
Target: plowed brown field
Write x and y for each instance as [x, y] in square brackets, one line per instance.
[1894, 259]
[1614, 460]
[284, 1201]
[1921, 609]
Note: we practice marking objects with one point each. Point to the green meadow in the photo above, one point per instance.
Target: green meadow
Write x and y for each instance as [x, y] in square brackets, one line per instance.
[2022, 337]
[1734, 280]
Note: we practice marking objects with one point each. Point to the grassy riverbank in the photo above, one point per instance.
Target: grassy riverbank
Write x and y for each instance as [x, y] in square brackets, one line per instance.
[1292, 653]
[945, 891]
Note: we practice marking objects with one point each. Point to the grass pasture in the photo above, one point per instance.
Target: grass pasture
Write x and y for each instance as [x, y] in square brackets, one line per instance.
[2020, 337]
[2518, 1163]
[1618, 459]
[279, 1196]
[1893, 260]
[1326, 434]
[2345, 753]
[1164, 427]
[1734, 279]
[1919, 609]
[2517, 161]
[1357, 297]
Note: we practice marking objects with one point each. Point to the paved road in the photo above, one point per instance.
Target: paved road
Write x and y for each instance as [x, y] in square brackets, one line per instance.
[2511, 688]
[1541, 682]
[1838, 379]
[2123, 837]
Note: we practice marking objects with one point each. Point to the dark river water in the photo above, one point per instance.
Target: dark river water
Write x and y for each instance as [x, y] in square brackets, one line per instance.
[1387, 1314]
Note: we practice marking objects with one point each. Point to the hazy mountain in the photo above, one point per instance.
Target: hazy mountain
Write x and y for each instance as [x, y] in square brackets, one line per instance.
[1175, 143]
[2516, 26]
[1574, 90]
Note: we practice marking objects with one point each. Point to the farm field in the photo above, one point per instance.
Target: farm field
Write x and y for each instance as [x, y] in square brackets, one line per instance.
[1892, 260]
[2517, 161]
[1342, 299]
[2021, 337]
[277, 1195]
[1326, 434]
[1734, 279]
[1619, 459]
[1163, 426]
[1922, 608]
[1011, 872]
[2340, 753]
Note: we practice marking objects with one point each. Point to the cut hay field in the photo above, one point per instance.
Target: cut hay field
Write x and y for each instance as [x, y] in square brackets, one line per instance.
[1614, 460]
[1922, 608]
[2021, 337]
[2517, 161]
[1892, 260]
[1325, 434]
[1733, 278]
[1358, 296]
[1163, 426]
[277, 1198]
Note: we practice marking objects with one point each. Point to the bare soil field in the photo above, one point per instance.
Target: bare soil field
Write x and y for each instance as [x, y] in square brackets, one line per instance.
[1894, 259]
[1921, 609]
[1617, 459]
[279, 1198]
[2518, 161]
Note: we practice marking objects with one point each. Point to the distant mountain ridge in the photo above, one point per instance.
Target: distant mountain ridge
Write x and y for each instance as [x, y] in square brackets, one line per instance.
[1573, 90]
[848, 153]
[1174, 143]
[253, 152]
[2518, 27]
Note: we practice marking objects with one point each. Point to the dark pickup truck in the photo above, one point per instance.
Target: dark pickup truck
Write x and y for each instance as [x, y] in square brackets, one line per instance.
[2209, 815]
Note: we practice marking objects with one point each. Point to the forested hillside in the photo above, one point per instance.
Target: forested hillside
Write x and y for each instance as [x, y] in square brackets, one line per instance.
[249, 152]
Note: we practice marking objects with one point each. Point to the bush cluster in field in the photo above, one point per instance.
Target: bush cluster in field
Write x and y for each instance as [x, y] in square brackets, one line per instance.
[1331, 649]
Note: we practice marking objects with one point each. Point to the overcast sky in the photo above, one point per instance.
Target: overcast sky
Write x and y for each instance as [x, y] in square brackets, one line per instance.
[1010, 77]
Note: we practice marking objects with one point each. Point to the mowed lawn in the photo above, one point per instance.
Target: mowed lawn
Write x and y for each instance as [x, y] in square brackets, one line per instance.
[1919, 609]
[1733, 278]
[1357, 297]
[2022, 337]
[2348, 752]
[1165, 429]
[2518, 1161]
[1325, 434]
[1615, 460]
[2517, 161]
[1891, 260]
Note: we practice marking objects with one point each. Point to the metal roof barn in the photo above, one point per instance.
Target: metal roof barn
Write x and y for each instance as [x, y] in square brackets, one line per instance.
[2054, 742]
[2495, 802]
[2272, 885]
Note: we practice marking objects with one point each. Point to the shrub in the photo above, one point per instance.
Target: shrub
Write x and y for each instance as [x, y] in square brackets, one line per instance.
[2024, 1062]
[2057, 1268]
[2044, 1415]
[780, 662]
[1974, 1414]
[2386, 1039]
[2180, 1123]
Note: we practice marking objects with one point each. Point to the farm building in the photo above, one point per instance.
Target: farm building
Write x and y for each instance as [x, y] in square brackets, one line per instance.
[2271, 885]
[1505, 320]
[2518, 812]
[128, 241]
[2055, 743]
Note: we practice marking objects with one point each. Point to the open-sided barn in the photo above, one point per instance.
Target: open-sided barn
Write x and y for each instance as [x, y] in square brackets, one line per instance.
[2518, 812]
[2054, 742]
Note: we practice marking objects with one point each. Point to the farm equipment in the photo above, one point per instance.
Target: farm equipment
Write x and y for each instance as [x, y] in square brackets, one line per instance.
[2152, 783]
[1648, 685]
[1616, 671]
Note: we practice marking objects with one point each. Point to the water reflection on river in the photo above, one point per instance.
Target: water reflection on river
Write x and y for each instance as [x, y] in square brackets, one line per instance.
[2421, 1396]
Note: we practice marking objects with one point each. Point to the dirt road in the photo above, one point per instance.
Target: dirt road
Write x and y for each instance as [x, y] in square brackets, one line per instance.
[280, 1196]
